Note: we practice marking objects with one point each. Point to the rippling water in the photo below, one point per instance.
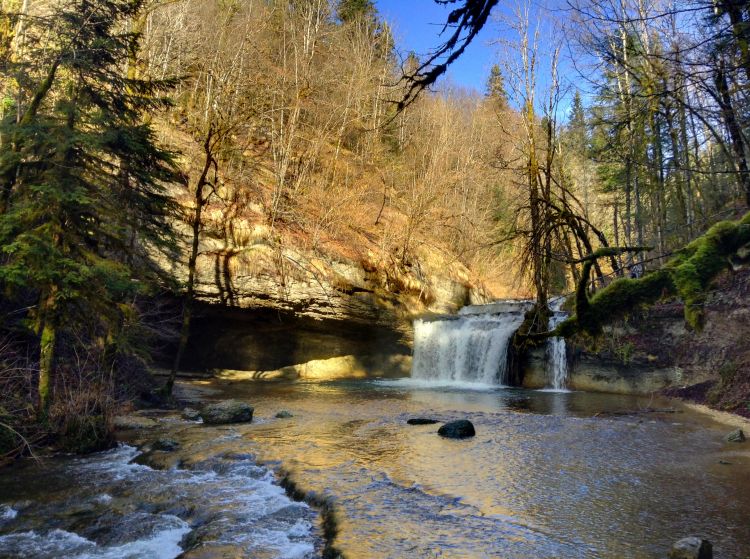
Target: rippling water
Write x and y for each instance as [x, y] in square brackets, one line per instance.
[548, 475]
[108, 506]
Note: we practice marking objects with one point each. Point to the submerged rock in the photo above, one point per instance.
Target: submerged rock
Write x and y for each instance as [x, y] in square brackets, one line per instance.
[189, 414]
[165, 445]
[459, 429]
[228, 411]
[132, 422]
[692, 548]
[283, 414]
[158, 460]
[736, 436]
[421, 421]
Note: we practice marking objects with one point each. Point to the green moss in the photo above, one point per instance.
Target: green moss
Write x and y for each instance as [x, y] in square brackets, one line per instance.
[688, 275]
[625, 352]
[46, 359]
[695, 267]
[727, 372]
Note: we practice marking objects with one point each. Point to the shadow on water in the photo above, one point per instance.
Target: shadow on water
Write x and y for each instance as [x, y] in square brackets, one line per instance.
[543, 477]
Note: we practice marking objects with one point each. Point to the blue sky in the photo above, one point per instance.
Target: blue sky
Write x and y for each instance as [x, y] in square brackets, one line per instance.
[416, 25]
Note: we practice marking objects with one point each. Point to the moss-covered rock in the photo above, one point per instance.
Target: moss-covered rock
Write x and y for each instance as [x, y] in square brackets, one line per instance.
[132, 422]
[687, 275]
[691, 548]
[736, 436]
[189, 414]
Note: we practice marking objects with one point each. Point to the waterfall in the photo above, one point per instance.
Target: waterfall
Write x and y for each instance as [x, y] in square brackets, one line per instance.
[471, 347]
[557, 360]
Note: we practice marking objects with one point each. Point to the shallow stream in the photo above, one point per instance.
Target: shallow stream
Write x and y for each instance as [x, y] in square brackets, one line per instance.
[549, 474]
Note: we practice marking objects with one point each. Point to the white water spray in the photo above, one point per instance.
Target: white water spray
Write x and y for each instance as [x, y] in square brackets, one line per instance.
[557, 360]
[469, 348]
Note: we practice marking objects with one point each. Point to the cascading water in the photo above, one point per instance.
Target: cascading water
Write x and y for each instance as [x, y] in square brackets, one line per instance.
[557, 360]
[469, 348]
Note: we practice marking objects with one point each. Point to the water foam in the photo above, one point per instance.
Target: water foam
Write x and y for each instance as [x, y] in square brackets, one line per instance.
[557, 359]
[246, 510]
[7, 512]
[44, 545]
[163, 544]
[470, 348]
[427, 384]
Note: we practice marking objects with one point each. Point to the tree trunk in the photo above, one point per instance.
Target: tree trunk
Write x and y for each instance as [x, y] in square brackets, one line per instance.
[733, 127]
[47, 343]
[740, 29]
[187, 306]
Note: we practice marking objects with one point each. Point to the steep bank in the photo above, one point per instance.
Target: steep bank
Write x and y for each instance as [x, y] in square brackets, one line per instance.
[654, 350]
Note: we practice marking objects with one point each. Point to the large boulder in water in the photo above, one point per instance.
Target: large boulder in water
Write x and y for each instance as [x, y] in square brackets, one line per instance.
[228, 411]
[459, 429]
[692, 548]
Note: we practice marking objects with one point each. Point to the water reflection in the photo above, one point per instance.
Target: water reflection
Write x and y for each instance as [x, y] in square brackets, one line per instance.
[549, 475]
[542, 478]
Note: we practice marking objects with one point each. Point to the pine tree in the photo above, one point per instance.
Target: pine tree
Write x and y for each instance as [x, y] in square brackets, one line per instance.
[82, 177]
[577, 125]
[348, 10]
[496, 88]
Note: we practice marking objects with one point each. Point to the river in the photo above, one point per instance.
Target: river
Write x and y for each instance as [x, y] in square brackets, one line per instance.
[549, 474]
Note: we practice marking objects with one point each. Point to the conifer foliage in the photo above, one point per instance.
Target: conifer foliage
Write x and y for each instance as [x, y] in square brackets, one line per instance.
[81, 175]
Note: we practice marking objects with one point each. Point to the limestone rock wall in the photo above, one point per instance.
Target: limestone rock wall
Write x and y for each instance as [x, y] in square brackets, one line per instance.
[266, 302]
[594, 373]
[653, 349]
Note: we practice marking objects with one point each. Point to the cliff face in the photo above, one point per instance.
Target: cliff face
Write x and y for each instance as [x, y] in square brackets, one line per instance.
[266, 302]
[653, 350]
[319, 286]
[367, 288]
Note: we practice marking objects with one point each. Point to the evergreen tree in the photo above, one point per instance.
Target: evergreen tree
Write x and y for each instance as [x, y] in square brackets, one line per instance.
[348, 10]
[82, 176]
[577, 125]
[496, 88]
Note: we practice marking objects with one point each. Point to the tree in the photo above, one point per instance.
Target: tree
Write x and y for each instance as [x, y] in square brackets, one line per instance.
[349, 10]
[577, 123]
[83, 176]
[496, 88]
[225, 93]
